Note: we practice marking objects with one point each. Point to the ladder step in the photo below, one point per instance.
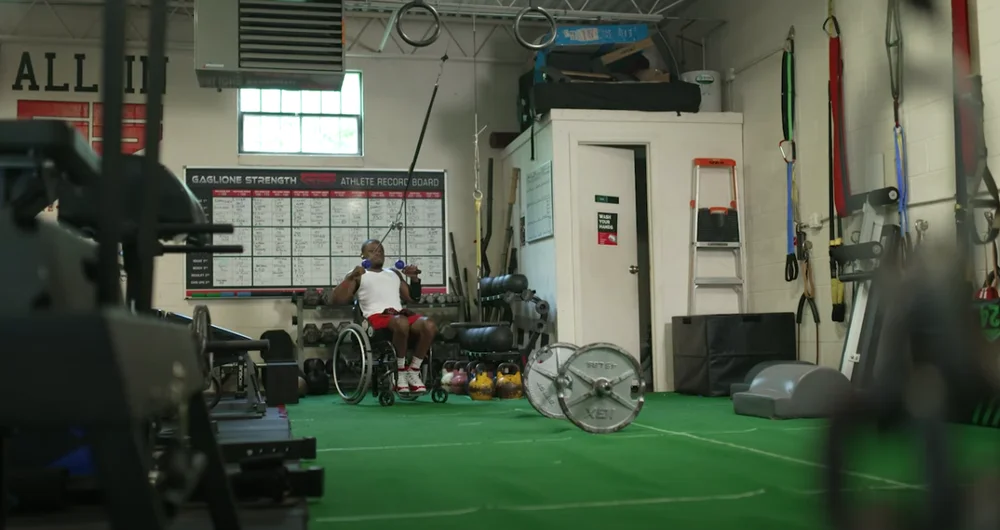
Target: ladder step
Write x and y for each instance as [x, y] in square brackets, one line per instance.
[718, 282]
[715, 245]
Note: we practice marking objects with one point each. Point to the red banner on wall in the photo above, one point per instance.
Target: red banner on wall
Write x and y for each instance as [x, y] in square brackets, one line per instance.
[86, 117]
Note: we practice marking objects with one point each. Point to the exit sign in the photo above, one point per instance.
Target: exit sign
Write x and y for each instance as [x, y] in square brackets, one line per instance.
[606, 199]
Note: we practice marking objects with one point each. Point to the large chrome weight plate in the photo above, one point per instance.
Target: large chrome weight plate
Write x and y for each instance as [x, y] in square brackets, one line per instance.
[352, 364]
[540, 374]
[201, 325]
[600, 388]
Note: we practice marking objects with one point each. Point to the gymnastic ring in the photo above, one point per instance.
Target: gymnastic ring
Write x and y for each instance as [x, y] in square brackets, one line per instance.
[419, 4]
[548, 18]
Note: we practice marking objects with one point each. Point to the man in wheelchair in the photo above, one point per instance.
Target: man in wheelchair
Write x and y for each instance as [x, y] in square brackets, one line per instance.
[380, 294]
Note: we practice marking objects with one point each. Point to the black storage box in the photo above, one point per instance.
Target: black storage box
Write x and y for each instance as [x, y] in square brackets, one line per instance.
[538, 99]
[712, 352]
[281, 383]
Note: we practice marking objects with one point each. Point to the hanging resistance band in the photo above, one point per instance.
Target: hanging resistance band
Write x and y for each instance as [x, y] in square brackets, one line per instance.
[787, 147]
[808, 298]
[838, 191]
[477, 194]
[842, 188]
[894, 50]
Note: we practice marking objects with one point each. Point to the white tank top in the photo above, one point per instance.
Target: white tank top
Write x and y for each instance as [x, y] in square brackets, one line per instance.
[379, 291]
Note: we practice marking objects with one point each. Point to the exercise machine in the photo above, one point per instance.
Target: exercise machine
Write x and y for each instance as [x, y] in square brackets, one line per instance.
[229, 356]
[804, 390]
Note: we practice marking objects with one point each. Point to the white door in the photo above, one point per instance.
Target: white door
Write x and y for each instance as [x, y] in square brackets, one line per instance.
[604, 179]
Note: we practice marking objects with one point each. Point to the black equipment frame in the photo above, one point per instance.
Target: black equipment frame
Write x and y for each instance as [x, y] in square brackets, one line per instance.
[128, 368]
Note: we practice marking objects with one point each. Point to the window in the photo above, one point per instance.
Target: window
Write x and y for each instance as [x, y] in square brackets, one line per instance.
[306, 122]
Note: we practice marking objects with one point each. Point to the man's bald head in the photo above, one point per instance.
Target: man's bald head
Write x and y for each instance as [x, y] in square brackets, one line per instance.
[373, 251]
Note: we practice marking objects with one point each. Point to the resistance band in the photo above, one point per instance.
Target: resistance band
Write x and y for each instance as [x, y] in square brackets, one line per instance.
[808, 297]
[477, 194]
[842, 188]
[894, 51]
[787, 147]
[838, 179]
[971, 167]
[397, 224]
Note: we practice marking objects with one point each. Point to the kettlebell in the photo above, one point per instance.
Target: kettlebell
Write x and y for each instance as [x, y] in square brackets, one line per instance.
[447, 374]
[509, 381]
[303, 387]
[460, 378]
[481, 387]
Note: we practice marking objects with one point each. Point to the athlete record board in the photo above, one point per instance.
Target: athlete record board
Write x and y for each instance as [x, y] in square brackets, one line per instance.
[304, 229]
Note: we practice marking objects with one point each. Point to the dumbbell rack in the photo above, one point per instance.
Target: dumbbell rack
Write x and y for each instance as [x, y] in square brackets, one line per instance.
[299, 320]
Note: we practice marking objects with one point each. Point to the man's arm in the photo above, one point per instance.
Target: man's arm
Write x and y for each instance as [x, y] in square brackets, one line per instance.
[344, 292]
[409, 292]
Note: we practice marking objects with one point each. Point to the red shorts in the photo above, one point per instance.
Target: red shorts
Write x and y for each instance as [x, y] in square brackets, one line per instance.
[381, 321]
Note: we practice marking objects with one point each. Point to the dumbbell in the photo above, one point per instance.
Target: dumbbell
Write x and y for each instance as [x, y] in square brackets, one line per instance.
[317, 380]
[312, 297]
[328, 333]
[311, 335]
[447, 333]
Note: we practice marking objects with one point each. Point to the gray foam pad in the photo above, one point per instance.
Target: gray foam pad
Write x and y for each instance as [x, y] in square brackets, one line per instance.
[786, 391]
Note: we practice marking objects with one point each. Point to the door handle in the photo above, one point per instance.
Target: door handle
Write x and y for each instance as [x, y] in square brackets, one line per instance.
[633, 269]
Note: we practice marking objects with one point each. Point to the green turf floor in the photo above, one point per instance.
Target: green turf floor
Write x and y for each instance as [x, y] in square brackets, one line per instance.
[688, 462]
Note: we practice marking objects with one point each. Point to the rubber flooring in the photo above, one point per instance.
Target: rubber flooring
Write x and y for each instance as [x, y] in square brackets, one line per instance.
[686, 461]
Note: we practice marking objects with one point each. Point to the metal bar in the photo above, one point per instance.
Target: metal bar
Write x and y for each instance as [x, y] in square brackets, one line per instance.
[146, 237]
[454, 40]
[669, 7]
[109, 225]
[689, 41]
[357, 38]
[388, 31]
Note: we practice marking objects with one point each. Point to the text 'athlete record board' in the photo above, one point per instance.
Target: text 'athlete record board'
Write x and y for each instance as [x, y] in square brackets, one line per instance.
[304, 229]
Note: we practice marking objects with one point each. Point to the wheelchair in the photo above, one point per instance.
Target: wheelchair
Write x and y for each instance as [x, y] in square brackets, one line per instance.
[364, 360]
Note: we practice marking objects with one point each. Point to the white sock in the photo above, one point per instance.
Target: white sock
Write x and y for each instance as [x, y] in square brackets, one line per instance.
[415, 364]
[401, 362]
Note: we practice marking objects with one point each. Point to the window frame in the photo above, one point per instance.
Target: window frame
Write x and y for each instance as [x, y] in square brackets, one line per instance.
[358, 118]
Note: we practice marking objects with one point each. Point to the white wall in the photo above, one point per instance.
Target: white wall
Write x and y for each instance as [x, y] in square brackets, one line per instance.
[536, 259]
[200, 125]
[759, 28]
[673, 142]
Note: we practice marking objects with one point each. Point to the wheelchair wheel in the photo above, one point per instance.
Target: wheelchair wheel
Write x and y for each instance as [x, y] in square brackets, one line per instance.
[439, 395]
[386, 399]
[352, 364]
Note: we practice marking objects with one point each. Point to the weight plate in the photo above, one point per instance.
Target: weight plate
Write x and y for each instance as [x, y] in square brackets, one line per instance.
[352, 339]
[201, 325]
[603, 390]
[540, 374]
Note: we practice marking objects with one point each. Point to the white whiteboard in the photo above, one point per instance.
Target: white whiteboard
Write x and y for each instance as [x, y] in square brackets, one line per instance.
[538, 200]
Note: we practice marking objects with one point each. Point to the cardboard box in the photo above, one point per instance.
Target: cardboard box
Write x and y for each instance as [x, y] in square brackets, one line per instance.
[625, 51]
[653, 75]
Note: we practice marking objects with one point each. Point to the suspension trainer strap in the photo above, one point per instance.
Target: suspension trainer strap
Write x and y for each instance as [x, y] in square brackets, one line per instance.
[839, 313]
[842, 188]
[894, 52]
[787, 148]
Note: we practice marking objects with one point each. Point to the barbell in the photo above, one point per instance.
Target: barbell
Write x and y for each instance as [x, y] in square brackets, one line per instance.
[597, 387]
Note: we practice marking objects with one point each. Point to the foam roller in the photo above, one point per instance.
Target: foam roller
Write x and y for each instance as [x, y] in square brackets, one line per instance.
[486, 339]
[508, 283]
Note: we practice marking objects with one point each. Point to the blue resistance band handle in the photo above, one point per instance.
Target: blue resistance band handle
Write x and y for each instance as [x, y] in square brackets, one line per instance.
[899, 139]
[367, 264]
